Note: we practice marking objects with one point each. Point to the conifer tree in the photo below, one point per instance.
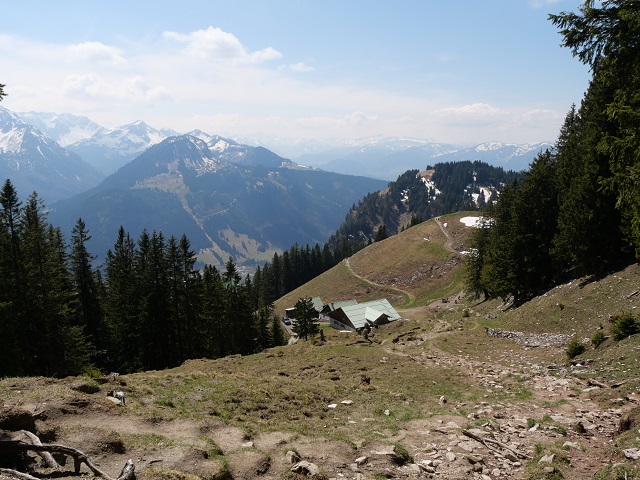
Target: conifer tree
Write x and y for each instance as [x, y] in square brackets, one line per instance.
[125, 354]
[238, 311]
[10, 302]
[277, 333]
[264, 337]
[606, 37]
[306, 324]
[50, 310]
[215, 329]
[89, 315]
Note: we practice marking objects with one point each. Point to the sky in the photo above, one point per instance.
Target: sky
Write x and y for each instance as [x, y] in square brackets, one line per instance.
[455, 71]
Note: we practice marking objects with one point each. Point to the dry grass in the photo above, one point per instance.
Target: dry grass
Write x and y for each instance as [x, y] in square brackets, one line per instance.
[393, 384]
[409, 269]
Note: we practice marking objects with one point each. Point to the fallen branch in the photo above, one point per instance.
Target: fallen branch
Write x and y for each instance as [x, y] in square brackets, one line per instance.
[619, 384]
[128, 472]
[16, 474]
[486, 441]
[46, 456]
[596, 383]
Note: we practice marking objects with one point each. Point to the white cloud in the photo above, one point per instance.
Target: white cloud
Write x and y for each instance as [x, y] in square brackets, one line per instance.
[300, 67]
[472, 114]
[218, 45]
[95, 52]
[542, 3]
[132, 89]
[360, 119]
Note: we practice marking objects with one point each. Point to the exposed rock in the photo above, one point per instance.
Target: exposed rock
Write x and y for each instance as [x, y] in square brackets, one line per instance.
[292, 457]
[114, 400]
[547, 458]
[361, 460]
[306, 468]
[632, 453]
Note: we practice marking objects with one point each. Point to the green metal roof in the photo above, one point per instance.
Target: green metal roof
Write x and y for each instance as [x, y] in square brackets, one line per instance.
[370, 312]
[317, 303]
[336, 305]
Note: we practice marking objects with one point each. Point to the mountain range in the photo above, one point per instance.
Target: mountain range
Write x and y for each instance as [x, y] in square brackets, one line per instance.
[229, 198]
[389, 157]
[35, 162]
[378, 157]
[247, 209]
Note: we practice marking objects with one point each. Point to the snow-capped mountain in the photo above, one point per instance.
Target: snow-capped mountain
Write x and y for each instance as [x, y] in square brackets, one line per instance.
[181, 186]
[378, 157]
[231, 151]
[509, 156]
[111, 149]
[34, 162]
[388, 157]
[64, 128]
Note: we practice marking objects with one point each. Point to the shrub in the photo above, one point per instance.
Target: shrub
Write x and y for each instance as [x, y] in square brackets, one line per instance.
[402, 455]
[597, 339]
[626, 325]
[575, 348]
[92, 371]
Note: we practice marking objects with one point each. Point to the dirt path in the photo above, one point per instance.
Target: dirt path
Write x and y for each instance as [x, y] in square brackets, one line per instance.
[408, 294]
[449, 243]
[558, 404]
[527, 406]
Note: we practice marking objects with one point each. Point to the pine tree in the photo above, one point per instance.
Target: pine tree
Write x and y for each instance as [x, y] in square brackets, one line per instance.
[215, 327]
[381, 233]
[475, 260]
[306, 324]
[237, 310]
[89, 315]
[11, 301]
[49, 288]
[121, 309]
[277, 333]
[264, 337]
[607, 38]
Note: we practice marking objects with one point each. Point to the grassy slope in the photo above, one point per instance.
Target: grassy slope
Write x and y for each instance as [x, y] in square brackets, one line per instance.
[414, 261]
[395, 383]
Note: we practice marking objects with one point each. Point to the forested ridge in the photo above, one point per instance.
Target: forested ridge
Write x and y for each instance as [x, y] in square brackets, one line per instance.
[577, 210]
[148, 307]
[408, 200]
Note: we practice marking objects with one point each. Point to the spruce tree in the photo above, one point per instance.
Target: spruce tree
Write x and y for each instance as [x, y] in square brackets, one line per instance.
[306, 324]
[277, 333]
[121, 309]
[10, 300]
[215, 329]
[89, 315]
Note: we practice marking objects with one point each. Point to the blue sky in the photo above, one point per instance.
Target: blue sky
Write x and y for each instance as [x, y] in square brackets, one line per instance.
[460, 71]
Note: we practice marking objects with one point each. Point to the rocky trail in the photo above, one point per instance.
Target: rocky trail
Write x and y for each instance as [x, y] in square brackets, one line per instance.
[486, 439]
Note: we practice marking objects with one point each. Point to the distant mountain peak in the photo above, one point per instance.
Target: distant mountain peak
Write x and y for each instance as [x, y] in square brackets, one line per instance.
[35, 162]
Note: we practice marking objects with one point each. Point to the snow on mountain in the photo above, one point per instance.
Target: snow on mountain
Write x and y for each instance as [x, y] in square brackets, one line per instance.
[491, 146]
[34, 162]
[111, 149]
[64, 128]
[129, 139]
